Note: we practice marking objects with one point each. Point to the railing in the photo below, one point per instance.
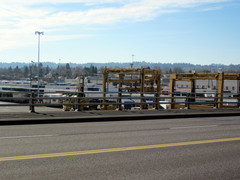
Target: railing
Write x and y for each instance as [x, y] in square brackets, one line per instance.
[96, 100]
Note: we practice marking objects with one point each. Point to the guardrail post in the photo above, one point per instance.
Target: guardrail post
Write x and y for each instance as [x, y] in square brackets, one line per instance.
[31, 101]
[171, 97]
[220, 89]
[105, 79]
[215, 103]
[120, 92]
[187, 101]
[79, 107]
[238, 101]
[142, 89]
[120, 108]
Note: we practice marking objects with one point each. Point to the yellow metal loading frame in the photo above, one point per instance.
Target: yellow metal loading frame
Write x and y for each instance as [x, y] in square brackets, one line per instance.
[147, 81]
[220, 77]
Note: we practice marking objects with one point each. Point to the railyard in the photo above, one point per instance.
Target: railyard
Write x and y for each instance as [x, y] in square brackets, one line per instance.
[137, 139]
[132, 88]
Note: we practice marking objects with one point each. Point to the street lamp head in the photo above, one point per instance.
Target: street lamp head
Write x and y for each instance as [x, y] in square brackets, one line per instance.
[39, 33]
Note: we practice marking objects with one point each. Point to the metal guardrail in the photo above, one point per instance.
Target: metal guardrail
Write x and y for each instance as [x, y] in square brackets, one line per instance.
[79, 101]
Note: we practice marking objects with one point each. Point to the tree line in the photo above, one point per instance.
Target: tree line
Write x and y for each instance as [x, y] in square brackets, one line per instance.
[46, 73]
[62, 71]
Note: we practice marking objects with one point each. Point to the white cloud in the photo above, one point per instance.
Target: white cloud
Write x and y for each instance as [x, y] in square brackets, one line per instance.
[19, 19]
[214, 8]
[87, 2]
[66, 37]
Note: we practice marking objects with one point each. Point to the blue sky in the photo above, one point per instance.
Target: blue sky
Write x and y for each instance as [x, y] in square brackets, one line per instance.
[81, 31]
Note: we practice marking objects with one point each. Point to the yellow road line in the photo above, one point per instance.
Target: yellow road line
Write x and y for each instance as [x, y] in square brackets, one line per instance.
[97, 151]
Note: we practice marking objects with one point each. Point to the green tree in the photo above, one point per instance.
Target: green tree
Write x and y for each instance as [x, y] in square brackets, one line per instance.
[25, 71]
[47, 70]
[178, 70]
[76, 71]
[17, 73]
[68, 72]
[41, 72]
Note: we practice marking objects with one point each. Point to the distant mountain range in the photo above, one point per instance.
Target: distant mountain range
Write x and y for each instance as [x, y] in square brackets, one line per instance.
[184, 66]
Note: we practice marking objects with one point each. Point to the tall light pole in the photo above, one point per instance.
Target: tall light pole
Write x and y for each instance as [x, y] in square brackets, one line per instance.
[39, 34]
[31, 67]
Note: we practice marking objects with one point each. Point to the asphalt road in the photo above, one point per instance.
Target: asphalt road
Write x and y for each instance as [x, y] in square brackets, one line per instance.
[146, 149]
